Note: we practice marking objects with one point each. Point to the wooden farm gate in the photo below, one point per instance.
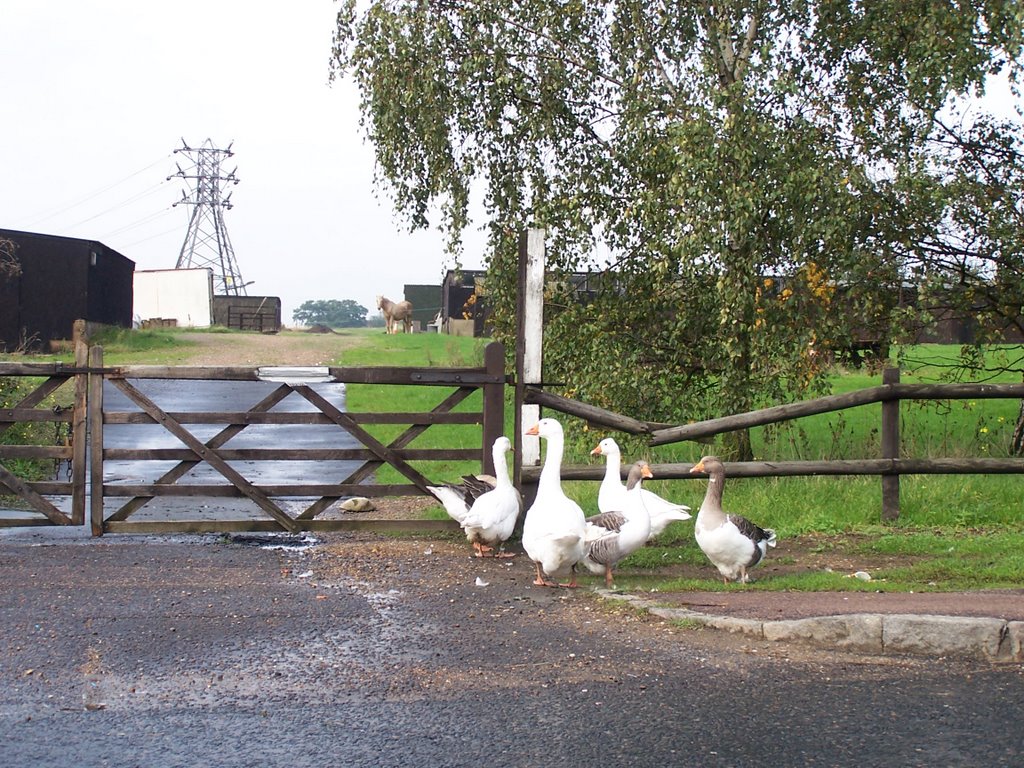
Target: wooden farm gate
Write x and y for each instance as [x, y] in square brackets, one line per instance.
[145, 450]
[47, 424]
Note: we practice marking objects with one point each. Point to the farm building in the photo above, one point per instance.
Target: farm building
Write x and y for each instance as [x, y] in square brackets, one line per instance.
[61, 279]
[176, 297]
[464, 307]
[248, 313]
[426, 302]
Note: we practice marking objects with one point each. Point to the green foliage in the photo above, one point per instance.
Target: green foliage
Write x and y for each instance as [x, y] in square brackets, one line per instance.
[760, 173]
[12, 390]
[332, 313]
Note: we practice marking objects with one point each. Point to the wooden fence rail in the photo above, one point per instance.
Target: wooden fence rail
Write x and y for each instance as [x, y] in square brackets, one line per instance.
[888, 467]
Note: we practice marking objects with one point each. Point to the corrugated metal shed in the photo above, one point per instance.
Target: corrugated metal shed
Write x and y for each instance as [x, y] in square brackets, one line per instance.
[62, 279]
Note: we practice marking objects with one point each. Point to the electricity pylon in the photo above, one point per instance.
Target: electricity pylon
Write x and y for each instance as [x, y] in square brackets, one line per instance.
[207, 243]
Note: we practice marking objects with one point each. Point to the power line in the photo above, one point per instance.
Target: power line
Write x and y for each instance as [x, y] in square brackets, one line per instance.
[122, 204]
[152, 237]
[49, 213]
[144, 220]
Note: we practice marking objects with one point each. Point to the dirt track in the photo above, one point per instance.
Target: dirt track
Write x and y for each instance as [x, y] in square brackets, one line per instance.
[286, 348]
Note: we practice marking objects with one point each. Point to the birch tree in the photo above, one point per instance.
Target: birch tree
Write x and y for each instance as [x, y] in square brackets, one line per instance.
[737, 161]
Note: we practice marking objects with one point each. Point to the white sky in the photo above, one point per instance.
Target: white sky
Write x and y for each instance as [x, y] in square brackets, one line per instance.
[97, 95]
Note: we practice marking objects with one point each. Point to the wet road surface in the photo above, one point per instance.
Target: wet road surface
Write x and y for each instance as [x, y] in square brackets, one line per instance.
[365, 651]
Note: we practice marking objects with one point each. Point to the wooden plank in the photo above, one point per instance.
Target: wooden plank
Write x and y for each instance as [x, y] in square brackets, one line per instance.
[771, 415]
[890, 448]
[38, 452]
[410, 376]
[268, 526]
[958, 391]
[36, 369]
[831, 403]
[185, 372]
[207, 454]
[95, 418]
[844, 467]
[533, 256]
[337, 490]
[587, 412]
[35, 415]
[79, 427]
[44, 487]
[292, 418]
[494, 404]
[23, 522]
[279, 454]
[37, 502]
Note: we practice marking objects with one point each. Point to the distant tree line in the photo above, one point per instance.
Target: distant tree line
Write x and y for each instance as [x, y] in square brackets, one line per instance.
[335, 313]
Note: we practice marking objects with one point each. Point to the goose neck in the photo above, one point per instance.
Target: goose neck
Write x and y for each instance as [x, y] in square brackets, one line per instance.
[613, 466]
[712, 503]
[551, 472]
[500, 468]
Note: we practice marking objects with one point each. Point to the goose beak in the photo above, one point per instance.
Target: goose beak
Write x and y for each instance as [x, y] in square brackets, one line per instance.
[597, 451]
[698, 467]
[645, 471]
[534, 430]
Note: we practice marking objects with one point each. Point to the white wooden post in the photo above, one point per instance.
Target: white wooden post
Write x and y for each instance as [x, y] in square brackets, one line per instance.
[533, 332]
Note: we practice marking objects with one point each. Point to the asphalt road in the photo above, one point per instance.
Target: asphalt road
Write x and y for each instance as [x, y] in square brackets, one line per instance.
[205, 651]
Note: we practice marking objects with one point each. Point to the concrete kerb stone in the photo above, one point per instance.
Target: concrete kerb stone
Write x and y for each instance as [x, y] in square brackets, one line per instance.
[922, 635]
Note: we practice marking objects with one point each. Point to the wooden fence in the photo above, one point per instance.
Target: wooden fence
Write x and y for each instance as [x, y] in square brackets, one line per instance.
[889, 466]
[230, 465]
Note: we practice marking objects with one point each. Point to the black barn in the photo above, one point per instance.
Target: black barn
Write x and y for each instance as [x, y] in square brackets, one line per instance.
[62, 279]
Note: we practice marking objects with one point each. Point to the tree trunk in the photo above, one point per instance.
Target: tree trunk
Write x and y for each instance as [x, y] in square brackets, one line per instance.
[1017, 442]
[737, 446]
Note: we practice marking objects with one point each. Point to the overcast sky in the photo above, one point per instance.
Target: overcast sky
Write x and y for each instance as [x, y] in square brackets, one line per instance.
[97, 96]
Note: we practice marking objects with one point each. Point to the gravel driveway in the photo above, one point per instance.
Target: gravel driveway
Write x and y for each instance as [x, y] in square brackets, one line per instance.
[370, 651]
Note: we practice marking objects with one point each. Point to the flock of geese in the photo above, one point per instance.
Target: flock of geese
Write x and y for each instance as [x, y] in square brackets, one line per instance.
[557, 535]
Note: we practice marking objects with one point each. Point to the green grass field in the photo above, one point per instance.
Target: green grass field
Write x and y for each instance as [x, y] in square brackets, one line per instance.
[981, 514]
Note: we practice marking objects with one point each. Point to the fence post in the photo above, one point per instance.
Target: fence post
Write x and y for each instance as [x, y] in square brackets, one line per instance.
[96, 442]
[529, 342]
[891, 448]
[79, 426]
[494, 403]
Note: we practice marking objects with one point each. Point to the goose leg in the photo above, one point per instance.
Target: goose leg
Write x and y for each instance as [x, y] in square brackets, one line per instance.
[540, 581]
[482, 549]
[572, 580]
[608, 576]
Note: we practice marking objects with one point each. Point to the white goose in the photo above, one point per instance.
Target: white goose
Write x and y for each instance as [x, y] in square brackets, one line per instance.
[492, 518]
[612, 494]
[614, 536]
[554, 529]
[731, 542]
[458, 498]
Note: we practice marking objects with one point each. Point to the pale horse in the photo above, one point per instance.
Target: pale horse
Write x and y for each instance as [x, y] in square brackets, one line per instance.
[395, 312]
